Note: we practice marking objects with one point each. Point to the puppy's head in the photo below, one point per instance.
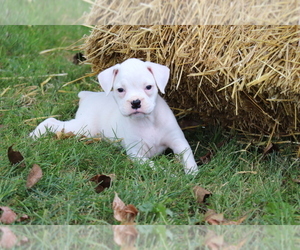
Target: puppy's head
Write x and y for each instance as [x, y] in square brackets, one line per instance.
[135, 85]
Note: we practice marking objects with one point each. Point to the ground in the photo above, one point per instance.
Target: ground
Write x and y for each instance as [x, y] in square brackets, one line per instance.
[245, 183]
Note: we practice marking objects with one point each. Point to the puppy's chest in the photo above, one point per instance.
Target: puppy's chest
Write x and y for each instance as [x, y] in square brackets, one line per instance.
[150, 139]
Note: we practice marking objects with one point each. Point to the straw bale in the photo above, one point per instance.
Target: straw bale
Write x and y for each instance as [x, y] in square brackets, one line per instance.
[193, 12]
[246, 77]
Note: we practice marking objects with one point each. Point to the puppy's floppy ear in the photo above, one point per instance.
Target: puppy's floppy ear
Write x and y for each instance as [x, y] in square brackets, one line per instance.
[160, 73]
[107, 77]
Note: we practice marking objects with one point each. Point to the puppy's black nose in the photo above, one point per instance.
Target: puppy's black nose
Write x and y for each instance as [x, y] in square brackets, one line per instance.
[136, 104]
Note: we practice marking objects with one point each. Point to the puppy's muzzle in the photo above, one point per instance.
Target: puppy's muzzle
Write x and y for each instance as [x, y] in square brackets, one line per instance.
[136, 104]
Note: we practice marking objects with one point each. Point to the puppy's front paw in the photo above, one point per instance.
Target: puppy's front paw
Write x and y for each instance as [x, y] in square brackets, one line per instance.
[192, 170]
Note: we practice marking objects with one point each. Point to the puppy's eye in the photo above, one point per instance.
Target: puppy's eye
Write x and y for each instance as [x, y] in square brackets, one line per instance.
[120, 90]
[148, 87]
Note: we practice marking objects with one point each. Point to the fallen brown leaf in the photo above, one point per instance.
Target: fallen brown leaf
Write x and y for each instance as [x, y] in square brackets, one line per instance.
[214, 241]
[61, 135]
[118, 207]
[206, 158]
[125, 236]
[8, 239]
[217, 242]
[15, 157]
[130, 214]
[103, 181]
[236, 222]
[201, 194]
[34, 176]
[124, 214]
[24, 217]
[88, 141]
[213, 218]
[8, 216]
[23, 241]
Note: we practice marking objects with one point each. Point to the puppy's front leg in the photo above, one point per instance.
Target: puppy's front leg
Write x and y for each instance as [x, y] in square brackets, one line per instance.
[137, 154]
[143, 160]
[182, 148]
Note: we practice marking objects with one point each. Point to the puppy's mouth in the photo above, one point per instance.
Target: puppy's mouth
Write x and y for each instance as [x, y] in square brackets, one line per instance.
[137, 113]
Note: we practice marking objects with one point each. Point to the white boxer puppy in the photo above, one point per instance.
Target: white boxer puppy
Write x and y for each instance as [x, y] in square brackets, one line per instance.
[133, 111]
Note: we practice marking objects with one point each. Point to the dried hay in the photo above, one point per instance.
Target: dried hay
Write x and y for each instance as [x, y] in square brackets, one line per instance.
[246, 77]
[193, 12]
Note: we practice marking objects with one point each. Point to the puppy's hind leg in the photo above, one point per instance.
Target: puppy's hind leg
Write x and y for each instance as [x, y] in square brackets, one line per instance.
[54, 125]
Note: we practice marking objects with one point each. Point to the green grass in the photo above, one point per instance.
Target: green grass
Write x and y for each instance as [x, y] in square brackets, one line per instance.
[65, 196]
[159, 237]
[43, 12]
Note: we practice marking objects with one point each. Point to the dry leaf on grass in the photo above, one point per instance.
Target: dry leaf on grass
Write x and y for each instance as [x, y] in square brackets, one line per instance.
[24, 217]
[15, 157]
[8, 216]
[61, 135]
[103, 181]
[8, 239]
[217, 242]
[201, 194]
[125, 236]
[206, 158]
[124, 214]
[34, 176]
[213, 218]
[88, 141]
[214, 241]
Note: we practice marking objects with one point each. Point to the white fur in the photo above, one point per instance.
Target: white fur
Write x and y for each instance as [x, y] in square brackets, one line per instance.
[147, 128]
